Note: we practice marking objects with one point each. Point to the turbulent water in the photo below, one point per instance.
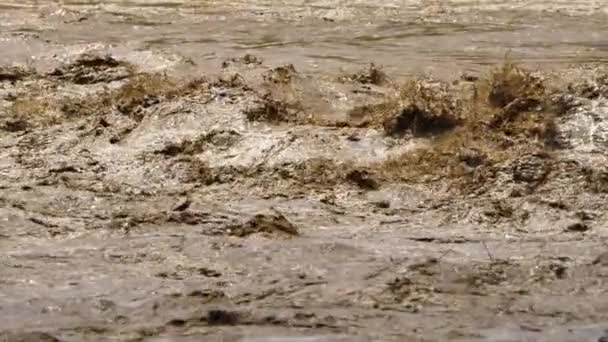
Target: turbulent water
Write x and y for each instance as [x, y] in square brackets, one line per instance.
[227, 171]
[407, 37]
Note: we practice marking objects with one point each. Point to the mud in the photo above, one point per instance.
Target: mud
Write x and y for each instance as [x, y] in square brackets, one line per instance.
[187, 171]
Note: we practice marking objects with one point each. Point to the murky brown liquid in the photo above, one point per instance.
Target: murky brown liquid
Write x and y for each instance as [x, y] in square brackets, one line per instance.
[174, 216]
[407, 37]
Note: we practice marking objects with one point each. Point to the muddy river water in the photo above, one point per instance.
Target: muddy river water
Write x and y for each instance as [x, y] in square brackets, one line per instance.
[406, 36]
[236, 171]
